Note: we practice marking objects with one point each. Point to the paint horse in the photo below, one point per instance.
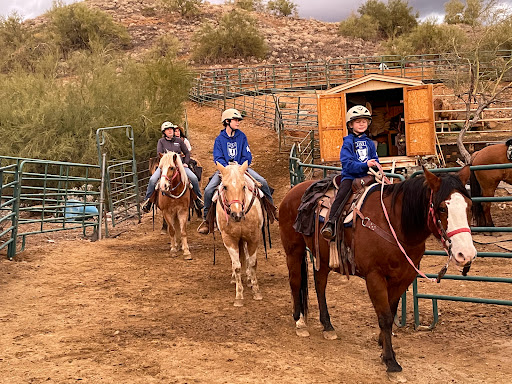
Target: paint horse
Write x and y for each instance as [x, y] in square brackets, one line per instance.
[239, 218]
[174, 201]
[484, 182]
[416, 208]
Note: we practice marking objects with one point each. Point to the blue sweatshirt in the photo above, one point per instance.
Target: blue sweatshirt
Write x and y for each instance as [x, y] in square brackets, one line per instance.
[235, 148]
[354, 153]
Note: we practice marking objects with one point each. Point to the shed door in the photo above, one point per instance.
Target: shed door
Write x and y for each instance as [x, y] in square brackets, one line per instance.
[331, 127]
[419, 120]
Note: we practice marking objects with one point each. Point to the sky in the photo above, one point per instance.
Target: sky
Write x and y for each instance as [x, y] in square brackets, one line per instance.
[325, 10]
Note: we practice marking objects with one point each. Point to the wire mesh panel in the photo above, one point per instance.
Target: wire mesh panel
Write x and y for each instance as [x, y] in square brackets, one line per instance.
[9, 204]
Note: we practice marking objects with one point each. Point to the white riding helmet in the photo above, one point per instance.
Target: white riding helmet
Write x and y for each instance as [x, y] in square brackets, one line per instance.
[167, 124]
[359, 112]
[231, 113]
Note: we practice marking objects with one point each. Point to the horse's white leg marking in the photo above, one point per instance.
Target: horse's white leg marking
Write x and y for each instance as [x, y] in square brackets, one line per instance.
[236, 266]
[183, 229]
[171, 232]
[252, 263]
[301, 327]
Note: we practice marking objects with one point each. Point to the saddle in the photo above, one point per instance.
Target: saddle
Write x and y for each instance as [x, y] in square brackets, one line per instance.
[155, 196]
[340, 254]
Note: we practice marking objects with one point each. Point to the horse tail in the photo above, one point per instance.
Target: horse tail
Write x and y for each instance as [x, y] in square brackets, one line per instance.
[476, 191]
[303, 293]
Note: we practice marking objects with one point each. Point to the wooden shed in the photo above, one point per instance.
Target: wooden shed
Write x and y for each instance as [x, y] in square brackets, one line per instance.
[402, 117]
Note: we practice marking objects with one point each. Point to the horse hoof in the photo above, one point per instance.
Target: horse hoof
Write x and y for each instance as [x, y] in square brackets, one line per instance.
[258, 296]
[302, 332]
[238, 303]
[393, 366]
[396, 377]
[187, 256]
[330, 335]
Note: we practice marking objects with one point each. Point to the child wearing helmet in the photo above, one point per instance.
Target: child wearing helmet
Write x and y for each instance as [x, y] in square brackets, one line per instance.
[172, 143]
[231, 146]
[357, 155]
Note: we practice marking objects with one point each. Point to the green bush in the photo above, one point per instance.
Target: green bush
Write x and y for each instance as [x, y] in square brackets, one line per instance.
[393, 19]
[76, 27]
[282, 7]
[186, 8]
[45, 117]
[165, 46]
[248, 5]
[237, 36]
[363, 27]
[427, 37]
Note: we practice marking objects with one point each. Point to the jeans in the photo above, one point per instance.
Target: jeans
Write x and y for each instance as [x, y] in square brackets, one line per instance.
[209, 191]
[156, 176]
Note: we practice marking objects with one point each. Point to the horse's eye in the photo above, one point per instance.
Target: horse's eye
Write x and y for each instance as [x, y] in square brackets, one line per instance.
[443, 210]
[172, 168]
[224, 187]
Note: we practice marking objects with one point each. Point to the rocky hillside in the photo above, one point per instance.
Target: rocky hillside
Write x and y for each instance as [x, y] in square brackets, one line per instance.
[289, 39]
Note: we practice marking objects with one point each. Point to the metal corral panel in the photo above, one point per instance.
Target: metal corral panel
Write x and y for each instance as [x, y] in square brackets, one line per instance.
[331, 126]
[419, 120]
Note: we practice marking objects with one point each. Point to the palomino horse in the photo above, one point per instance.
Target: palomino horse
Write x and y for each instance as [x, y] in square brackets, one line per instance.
[416, 208]
[240, 220]
[174, 200]
[484, 183]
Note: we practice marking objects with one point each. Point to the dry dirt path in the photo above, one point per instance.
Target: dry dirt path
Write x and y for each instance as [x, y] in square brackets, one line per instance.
[123, 311]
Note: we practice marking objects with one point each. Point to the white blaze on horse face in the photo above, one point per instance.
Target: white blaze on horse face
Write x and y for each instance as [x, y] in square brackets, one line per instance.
[463, 249]
[163, 180]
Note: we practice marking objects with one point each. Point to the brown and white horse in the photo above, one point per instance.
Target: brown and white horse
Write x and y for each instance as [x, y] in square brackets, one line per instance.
[240, 219]
[174, 201]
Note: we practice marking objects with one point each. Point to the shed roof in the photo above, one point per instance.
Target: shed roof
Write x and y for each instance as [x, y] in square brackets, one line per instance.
[373, 82]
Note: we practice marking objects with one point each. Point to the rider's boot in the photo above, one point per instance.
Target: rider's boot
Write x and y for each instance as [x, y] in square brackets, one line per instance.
[146, 206]
[203, 228]
[327, 231]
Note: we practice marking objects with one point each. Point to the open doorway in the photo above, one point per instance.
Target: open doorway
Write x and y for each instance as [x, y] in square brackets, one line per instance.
[388, 127]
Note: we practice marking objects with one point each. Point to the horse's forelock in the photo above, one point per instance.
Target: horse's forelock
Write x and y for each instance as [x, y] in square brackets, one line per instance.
[167, 160]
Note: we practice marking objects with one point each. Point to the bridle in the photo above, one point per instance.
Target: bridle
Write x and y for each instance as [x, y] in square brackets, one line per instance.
[437, 229]
[169, 192]
[226, 205]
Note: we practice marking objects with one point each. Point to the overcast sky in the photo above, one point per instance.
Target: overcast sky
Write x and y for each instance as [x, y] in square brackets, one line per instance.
[326, 10]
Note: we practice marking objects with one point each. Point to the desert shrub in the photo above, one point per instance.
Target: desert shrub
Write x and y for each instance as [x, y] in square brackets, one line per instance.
[236, 36]
[248, 5]
[427, 37]
[165, 46]
[50, 118]
[282, 7]
[362, 27]
[76, 26]
[186, 8]
[393, 19]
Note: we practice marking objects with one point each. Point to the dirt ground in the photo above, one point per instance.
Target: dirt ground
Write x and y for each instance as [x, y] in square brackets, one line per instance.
[122, 310]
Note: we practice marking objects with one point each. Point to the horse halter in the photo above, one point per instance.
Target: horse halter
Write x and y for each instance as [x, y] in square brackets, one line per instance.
[169, 191]
[226, 205]
[437, 229]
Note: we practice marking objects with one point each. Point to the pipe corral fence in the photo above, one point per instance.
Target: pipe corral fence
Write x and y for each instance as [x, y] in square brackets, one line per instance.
[301, 170]
[284, 96]
[42, 196]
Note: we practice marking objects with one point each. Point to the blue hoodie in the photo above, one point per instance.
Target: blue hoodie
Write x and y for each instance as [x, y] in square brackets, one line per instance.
[354, 153]
[234, 148]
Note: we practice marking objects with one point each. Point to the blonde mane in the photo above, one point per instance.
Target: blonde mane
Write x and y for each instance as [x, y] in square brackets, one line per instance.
[167, 161]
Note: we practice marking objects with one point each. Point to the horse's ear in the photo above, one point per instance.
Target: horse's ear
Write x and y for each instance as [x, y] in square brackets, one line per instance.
[160, 155]
[244, 166]
[174, 157]
[220, 167]
[433, 181]
[464, 174]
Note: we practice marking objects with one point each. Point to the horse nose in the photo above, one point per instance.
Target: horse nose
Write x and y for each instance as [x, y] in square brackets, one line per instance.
[237, 216]
[465, 258]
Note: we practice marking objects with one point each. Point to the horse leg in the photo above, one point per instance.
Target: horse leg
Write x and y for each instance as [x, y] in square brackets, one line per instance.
[377, 289]
[182, 219]
[171, 232]
[488, 191]
[250, 249]
[320, 285]
[236, 266]
[298, 279]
